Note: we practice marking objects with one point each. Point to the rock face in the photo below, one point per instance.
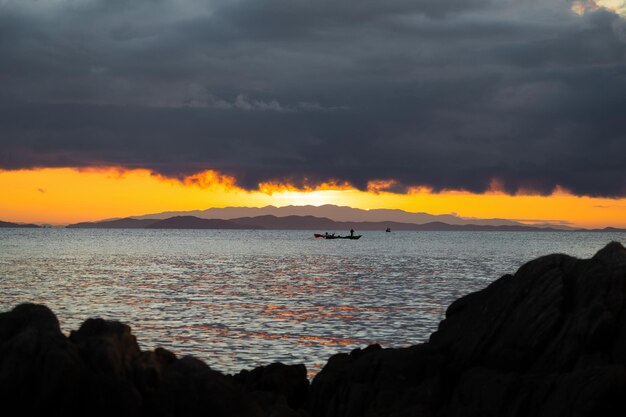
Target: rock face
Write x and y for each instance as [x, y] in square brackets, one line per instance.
[547, 341]
[100, 370]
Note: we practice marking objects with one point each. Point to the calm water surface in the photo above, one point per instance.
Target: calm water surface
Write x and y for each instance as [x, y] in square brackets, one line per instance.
[240, 299]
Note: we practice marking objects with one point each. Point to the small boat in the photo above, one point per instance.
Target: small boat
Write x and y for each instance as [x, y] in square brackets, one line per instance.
[388, 230]
[327, 236]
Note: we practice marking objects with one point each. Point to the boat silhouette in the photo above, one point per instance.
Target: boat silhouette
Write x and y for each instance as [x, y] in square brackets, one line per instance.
[333, 236]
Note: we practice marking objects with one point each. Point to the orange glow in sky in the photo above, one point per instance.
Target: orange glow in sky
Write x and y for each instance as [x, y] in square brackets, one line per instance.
[67, 195]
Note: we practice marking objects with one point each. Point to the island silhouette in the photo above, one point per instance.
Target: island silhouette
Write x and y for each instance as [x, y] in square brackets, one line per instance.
[271, 222]
[20, 225]
[319, 218]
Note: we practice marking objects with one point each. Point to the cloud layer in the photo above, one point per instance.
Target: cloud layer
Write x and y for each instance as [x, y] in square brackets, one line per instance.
[447, 94]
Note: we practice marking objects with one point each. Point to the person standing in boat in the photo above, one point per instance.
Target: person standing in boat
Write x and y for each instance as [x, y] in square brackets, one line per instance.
[351, 232]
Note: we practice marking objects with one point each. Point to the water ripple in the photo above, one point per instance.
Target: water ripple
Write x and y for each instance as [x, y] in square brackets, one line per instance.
[240, 299]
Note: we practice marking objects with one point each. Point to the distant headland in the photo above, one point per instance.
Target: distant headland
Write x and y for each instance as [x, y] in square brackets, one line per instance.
[21, 225]
[292, 223]
[321, 218]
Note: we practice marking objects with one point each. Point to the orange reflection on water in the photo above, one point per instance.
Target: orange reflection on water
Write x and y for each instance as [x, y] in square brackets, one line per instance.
[309, 340]
[268, 336]
[330, 341]
[217, 331]
[315, 284]
[309, 313]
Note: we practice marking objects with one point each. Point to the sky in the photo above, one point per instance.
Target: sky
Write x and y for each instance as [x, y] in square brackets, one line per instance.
[485, 108]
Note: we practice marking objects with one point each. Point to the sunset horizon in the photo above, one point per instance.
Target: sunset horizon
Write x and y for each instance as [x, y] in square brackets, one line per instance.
[61, 196]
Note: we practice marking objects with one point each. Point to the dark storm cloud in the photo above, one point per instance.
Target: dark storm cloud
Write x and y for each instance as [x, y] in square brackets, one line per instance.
[447, 94]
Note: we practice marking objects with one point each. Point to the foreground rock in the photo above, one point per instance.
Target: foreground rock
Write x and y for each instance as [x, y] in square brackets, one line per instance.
[548, 341]
[100, 370]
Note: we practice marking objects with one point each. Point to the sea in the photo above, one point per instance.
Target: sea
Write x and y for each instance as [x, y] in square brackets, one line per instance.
[239, 299]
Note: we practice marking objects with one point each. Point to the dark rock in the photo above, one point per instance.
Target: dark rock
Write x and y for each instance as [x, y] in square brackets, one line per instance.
[109, 350]
[100, 370]
[374, 381]
[189, 387]
[277, 385]
[40, 370]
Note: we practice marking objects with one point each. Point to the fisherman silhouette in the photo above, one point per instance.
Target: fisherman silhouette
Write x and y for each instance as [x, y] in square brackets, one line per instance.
[351, 232]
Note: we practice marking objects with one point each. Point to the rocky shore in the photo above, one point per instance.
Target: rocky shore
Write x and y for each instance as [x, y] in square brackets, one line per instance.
[547, 341]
